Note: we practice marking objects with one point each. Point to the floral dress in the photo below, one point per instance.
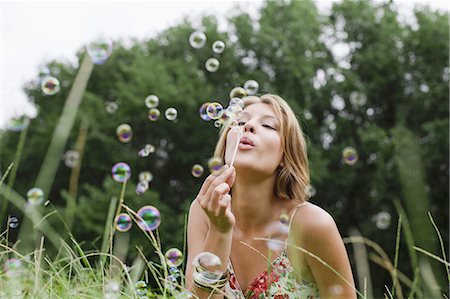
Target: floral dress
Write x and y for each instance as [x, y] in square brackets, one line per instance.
[279, 282]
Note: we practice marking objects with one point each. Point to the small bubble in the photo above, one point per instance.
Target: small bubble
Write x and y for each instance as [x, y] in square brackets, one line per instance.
[174, 257]
[18, 124]
[171, 114]
[310, 190]
[50, 85]
[236, 101]
[382, 220]
[35, 196]
[197, 170]
[357, 98]
[124, 133]
[147, 150]
[197, 39]
[99, 50]
[215, 165]
[335, 290]
[277, 234]
[152, 101]
[141, 288]
[203, 111]
[212, 65]
[145, 176]
[121, 172]
[214, 110]
[238, 92]
[141, 187]
[153, 114]
[13, 222]
[123, 222]
[111, 107]
[251, 87]
[218, 46]
[71, 158]
[349, 155]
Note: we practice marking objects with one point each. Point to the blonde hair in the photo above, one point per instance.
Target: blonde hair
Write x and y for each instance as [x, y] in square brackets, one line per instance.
[293, 178]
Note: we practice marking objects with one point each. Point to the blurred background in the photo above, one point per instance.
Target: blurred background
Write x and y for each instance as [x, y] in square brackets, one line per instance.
[368, 80]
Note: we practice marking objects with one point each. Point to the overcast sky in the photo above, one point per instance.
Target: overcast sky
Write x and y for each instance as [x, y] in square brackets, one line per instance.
[35, 32]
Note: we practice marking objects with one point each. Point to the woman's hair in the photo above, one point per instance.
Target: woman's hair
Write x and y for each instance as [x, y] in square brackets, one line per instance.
[292, 178]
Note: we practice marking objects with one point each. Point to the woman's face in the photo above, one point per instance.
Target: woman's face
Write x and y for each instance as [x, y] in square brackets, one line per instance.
[259, 148]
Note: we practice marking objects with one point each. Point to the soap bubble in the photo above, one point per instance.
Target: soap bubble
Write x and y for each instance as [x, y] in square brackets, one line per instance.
[147, 150]
[277, 234]
[145, 176]
[99, 50]
[382, 220]
[35, 196]
[210, 264]
[349, 155]
[236, 101]
[215, 165]
[13, 222]
[217, 124]
[214, 110]
[124, 133]
[111, 107]
[50, 85]
[310, 190]
[71, 158]
[251, 87]
[197, 39]
[151, 218]
[153, 114]
[197, 170]
[218, 46]
[121, 172]
[13, 267]
[212, 65]
[235, 109]
[123, 222]
[18, 124]
[203, 111]
[111, 290]
[152, 101]
[357, 98]
[171, 114]
[174, 257]
[238, 92]
[141, 288]
[141, 187]
[284, 218]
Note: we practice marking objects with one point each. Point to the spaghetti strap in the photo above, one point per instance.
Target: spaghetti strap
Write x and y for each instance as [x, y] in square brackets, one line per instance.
[290, 222]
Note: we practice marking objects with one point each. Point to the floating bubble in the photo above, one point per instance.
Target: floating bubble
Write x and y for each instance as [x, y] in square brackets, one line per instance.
[174, 271]
[203, 111]
[99, 50]
[147, 150]
[212, 65]
[12, 267]
[197, 39]
[18, 124]
[123, 222]
[277, 234]
[336, 290]
[141, 187]
[171, 114]
[197, 170]
[210, 264]
[111, 290]
[382, 220]
[111, 107]
[226, 117]
[150, 216]
[154, 114]
[251, 87]
[235, 109]
[121, 172]
[238, 92]
[174, 257]
[50, 85]
[310, 190]
[215, 165]
[141, 288]
[284, 218]
[218, 46]
[357, 98]
[145, 176]
[214, 110]
[13, 222]
[71, 158]
[152, 101]
[236, 101]
[349, 155]
[171, 283]
[35, 196]
[124, 133]
[217, 124]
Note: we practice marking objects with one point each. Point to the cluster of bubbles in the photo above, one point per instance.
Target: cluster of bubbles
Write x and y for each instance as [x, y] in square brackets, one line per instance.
[71, 158]
[349, 155]
[145, 178]
[197, 40]
[152, 102]
[382, 220]
[121, 172]
[149, 218]
[124, 133]
[146, 150]
[35, 196]
[18, 124]
[99, 50]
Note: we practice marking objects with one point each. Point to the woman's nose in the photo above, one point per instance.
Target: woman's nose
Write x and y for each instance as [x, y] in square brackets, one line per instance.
[249, 126]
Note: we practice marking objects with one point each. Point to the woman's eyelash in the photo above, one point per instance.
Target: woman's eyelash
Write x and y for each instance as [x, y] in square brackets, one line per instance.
[241, 123]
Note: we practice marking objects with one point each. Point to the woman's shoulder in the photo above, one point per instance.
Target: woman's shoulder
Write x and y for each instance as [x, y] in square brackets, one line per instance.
[311, 220]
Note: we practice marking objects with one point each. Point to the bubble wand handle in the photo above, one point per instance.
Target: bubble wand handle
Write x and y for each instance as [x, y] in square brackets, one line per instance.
[237, 144]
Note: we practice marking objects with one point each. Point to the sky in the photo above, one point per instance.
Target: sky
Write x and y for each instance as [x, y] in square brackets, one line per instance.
[36, 32]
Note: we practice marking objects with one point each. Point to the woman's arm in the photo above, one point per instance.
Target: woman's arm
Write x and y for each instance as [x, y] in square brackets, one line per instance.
[320, 236]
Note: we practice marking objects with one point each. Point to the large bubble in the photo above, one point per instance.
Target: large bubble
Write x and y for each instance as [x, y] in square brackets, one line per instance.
[50, 85]
[121, 172]
[124, 133]
[151, 218]
[99, 50]
[214, 110]
[197, 39]
[210, 264]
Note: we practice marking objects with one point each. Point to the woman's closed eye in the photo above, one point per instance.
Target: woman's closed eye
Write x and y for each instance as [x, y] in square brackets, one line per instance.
[268, 126]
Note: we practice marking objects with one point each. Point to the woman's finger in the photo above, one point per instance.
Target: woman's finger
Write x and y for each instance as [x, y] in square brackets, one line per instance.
[216, 195]
[219, 180]
[223, 204]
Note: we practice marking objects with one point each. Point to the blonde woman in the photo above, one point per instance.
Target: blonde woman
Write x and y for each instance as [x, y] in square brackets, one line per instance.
[234, 210]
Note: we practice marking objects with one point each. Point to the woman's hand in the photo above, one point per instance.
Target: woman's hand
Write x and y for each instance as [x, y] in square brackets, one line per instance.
[215, 200]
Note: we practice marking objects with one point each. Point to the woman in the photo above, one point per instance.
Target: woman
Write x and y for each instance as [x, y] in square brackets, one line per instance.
[268, 180]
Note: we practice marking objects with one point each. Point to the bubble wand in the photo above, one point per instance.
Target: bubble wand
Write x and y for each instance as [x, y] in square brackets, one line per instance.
[239, 135]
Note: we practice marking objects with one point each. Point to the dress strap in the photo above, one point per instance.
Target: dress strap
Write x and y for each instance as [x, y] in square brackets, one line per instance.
[290, 221]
